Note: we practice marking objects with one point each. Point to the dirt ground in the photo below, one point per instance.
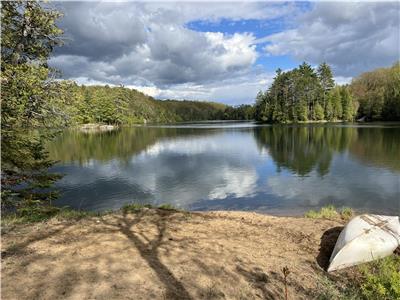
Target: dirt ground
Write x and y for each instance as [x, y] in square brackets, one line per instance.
[160, 254]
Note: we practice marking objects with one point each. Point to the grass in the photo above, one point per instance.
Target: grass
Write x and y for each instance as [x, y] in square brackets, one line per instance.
[167, 207]
[377, 280]
[40, 214]
[346, 213]
[331, 290]
[330, 212]
[34, 212]
[136, 207]
[381, 278]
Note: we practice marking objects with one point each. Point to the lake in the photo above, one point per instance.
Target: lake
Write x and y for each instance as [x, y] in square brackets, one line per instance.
[282, 170]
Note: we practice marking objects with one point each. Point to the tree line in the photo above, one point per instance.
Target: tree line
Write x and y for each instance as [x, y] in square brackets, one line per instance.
[378, 94]
[307, 94]
[81, 104]
[123, 106]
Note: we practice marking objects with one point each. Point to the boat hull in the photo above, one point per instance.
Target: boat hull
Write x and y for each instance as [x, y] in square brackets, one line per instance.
[365, 238]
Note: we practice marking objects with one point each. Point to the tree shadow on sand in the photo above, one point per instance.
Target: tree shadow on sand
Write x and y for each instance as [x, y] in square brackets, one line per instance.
[149, 250]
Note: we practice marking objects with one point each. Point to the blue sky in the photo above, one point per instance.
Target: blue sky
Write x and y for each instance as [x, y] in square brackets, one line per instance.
[260, 29]
[222, 51]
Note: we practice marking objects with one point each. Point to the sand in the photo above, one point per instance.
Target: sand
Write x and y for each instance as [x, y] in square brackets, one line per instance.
[161, 254]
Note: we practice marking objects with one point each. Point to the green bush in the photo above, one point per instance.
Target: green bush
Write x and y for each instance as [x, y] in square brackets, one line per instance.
[135, 207]
[346, 213]
[378, 280]
[381, 279]
[327, 212]
[35, 211]
[330, 212]
[167, 207]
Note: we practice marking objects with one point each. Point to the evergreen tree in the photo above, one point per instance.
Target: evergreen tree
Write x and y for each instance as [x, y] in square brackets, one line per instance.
[329, 114]
[297, 95]
[319, 112]
[347, 104]
[326, 80]
[29, 34]
[336, 103]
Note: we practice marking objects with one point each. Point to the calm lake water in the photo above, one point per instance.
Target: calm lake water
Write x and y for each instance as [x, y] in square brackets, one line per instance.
[232, 166]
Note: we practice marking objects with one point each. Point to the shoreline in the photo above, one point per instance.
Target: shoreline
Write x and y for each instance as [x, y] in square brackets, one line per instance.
[165, 253]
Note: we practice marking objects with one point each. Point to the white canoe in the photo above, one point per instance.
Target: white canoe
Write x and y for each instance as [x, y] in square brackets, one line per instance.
[365, 238]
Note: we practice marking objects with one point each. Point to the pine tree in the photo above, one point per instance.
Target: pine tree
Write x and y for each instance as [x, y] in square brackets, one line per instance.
[329, 115]
[337, 104]
[319, 112]
[347, 104]
[29, 34]
[326, 80]
[301, 94]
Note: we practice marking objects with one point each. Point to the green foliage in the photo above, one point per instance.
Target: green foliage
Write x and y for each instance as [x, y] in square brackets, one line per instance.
[327, 212]
[347, 104]
[304, 94]
[119, 105]
[36, 211]
[167, 207]
[381, 279]
[330, 290]
[134, 207]
[301, 111]
[240, 112]
[29, 34]
[301, 94]
[330, 212]
[336, 100]
[378, 280]
[329, 115]
[193, 110]
[325, 77]
[378, 93]
[319, 112]
[346, 213]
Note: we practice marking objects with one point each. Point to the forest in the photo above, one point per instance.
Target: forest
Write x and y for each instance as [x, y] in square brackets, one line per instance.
[300, 95]
[305, 94]
[378, 94]
[123, 106]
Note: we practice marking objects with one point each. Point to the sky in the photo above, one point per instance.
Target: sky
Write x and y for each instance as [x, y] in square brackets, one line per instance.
[220, 51]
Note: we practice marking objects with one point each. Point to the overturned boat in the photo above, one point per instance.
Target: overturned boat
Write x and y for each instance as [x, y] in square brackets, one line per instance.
[365, 238]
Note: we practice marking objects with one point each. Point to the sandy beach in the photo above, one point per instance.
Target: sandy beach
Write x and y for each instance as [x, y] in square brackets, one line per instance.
[163, 254]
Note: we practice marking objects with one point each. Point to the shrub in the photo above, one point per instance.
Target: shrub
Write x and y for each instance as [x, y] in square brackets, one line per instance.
[346, 213]
[135, 207]
[35, 211]
[167, 207]
[327, 212]
[330, 212]
[381, 279]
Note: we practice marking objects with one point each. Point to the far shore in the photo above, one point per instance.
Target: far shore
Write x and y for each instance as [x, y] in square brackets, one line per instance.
[97, 127]
[168, 254]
